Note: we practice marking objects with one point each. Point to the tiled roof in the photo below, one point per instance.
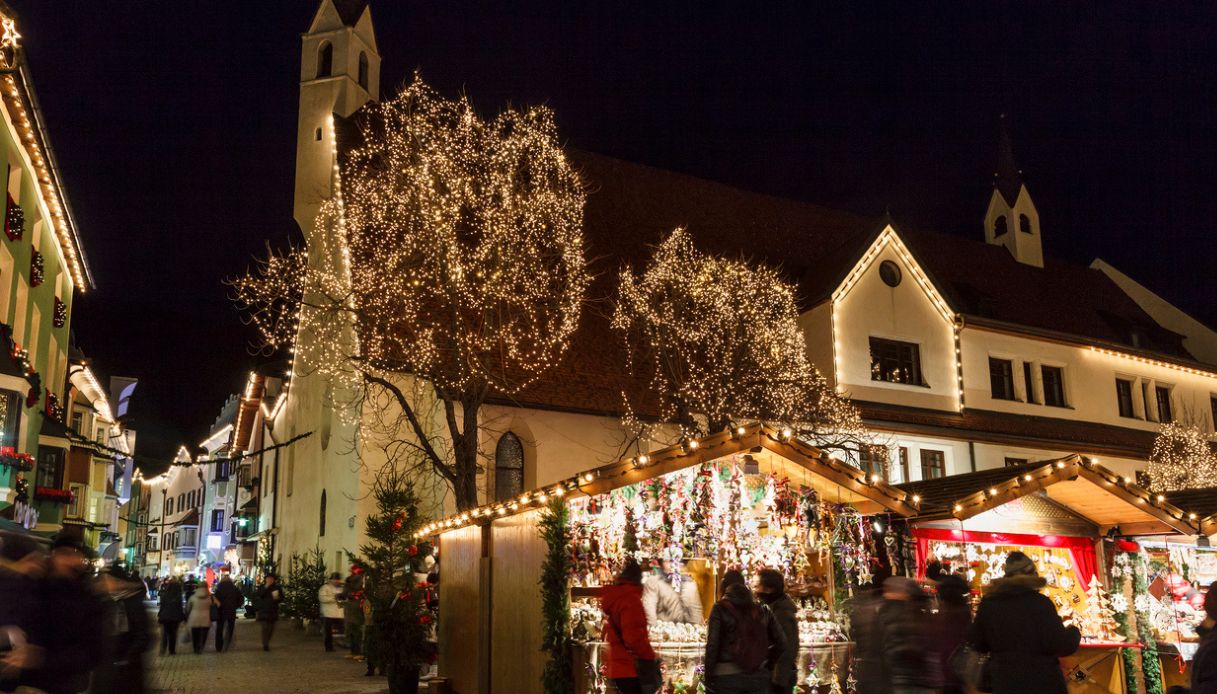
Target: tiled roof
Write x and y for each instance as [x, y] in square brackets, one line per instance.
[630, 207]
[350, 10]
[942, 493]
[1202, 502]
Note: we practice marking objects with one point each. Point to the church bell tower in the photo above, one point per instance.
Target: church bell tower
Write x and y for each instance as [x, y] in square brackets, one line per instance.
[339, 73]
[1012, 220]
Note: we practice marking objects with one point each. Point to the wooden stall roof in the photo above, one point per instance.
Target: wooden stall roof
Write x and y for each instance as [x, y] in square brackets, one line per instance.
[1075, 482]
[773, 449]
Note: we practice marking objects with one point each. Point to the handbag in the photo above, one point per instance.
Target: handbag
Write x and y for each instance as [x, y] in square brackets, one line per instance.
[650, 678]
[972, 667]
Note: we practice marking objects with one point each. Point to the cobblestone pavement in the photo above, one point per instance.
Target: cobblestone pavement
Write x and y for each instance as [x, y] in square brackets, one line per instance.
[296, 663]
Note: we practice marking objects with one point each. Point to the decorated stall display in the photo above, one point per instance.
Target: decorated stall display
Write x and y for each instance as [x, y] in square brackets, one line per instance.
[687, 527]
[1069, 570]
[1177, 578]
[750, 497]
[717, 512]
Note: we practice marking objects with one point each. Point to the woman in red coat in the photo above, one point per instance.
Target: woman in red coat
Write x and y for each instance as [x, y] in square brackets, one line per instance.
[627, 631]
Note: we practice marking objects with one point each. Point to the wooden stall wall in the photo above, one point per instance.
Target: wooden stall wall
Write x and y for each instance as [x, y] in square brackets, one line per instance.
[516, 660]
[461, 610]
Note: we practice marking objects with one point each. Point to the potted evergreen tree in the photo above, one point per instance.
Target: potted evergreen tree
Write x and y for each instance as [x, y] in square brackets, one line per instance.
[306, 574]
[401, 621]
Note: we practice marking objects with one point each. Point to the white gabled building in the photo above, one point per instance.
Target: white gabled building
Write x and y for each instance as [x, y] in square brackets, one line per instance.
[963, 354]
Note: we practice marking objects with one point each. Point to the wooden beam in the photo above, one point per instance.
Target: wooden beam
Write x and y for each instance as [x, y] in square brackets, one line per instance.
[1153, 527]
[826, 469]
[1173, 517]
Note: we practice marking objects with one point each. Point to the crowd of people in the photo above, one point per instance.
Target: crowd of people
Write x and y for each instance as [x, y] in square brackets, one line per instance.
[67, 628]
[64, 629]
[909, 635]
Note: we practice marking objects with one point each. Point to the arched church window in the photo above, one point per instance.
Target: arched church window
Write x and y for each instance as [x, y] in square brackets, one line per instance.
[999, 226]
[508, 467]
[321, 531]
[363, 70]
[325, 60]
[1024, 224]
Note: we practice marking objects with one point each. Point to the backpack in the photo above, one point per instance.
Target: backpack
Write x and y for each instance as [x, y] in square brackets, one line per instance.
[750, 647]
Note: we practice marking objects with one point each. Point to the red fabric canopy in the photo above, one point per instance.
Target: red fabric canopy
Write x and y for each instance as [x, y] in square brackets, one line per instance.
[1081, 549]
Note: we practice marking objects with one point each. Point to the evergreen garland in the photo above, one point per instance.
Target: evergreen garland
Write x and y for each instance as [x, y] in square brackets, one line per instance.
[555, 598]
[1150, 664]
[1132, 566]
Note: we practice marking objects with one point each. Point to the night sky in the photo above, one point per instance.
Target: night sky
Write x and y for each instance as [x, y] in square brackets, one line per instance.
[174, 125]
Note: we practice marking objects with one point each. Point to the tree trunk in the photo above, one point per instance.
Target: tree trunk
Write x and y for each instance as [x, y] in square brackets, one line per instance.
[465, 451]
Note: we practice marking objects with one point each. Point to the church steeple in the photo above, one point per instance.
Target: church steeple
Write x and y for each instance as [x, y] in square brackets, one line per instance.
[1012, 220]
[339, 73]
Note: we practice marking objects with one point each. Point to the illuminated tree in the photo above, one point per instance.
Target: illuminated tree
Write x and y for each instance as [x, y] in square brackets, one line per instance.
[1181, 459]
[720, 343]
[453, 268]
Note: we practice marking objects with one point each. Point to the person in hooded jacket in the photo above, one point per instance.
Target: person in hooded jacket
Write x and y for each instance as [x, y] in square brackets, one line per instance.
[1204, 663]
[626, 631]
[170, 614]
[771, 590]
[1021, 630]
[954, 620]
[723, 640]
[198, 616]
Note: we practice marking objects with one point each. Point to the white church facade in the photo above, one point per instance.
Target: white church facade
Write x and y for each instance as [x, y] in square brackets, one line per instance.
[962, 354]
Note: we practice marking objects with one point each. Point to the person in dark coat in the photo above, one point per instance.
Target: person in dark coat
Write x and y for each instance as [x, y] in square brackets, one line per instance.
[906, 628]
[1204, 663]
[626, 631]
[70, 622]
[352, 610]
[228, 599]
[269, 597]
[863, 613]
[1020, 628]
[954, 620]
[723, 674]
[171, 613]
[129, 633]
[22, 564]
[771, 590]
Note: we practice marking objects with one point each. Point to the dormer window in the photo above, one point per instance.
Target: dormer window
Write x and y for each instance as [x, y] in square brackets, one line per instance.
[1024, 224]
[325, 60]
[999, 226]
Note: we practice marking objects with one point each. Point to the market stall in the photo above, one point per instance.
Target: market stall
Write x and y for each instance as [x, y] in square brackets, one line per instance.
[1059, 513]
[751, 498]
[1176, 571]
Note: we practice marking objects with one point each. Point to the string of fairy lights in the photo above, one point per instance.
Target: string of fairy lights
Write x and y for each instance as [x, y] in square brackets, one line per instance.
[1181, 458]
[720, 338]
